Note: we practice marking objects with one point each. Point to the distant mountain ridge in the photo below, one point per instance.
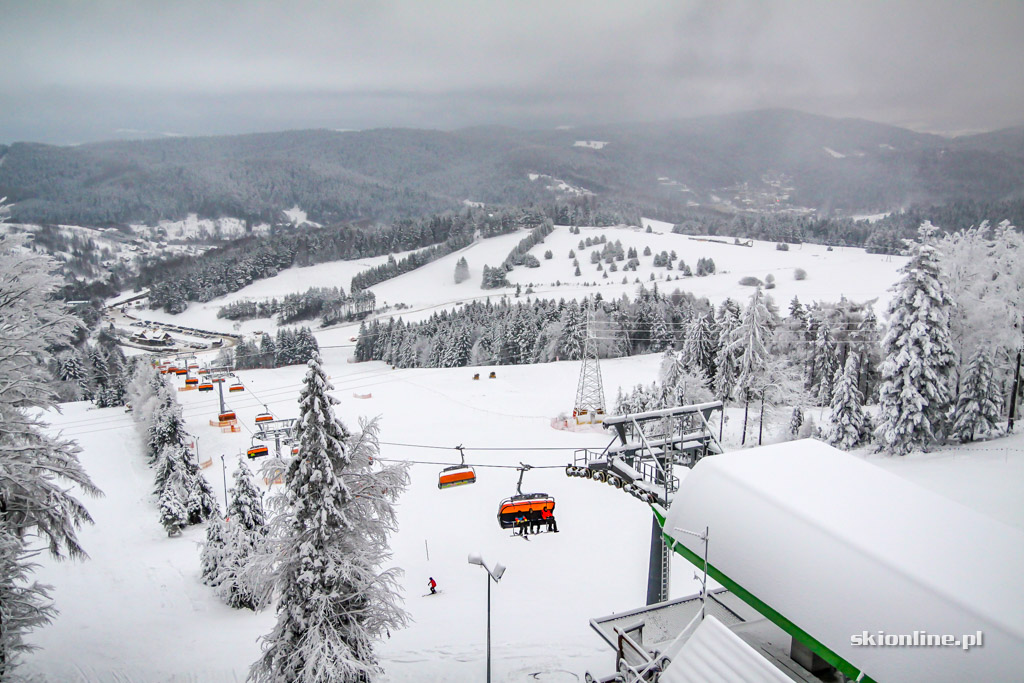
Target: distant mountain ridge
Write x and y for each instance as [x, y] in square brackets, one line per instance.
[768, 160]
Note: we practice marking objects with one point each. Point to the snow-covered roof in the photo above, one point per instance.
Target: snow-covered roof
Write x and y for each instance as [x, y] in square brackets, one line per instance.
[838, 546]
[714, 654]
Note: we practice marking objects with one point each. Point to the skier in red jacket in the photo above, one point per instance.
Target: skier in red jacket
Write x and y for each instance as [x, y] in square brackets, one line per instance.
[433, 585]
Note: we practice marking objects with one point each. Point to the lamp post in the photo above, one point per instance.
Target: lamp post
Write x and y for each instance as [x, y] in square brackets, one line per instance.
[495, 575]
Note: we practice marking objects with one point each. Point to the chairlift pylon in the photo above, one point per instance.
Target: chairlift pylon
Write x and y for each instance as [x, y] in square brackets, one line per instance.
[456, 475]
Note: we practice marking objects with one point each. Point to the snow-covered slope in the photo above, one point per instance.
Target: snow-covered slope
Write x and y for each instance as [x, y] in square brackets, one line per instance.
[136, 611]
[848, 272]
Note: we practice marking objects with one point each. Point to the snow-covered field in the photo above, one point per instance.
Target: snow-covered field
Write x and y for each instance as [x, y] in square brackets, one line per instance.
[845, 271]
[137, 611]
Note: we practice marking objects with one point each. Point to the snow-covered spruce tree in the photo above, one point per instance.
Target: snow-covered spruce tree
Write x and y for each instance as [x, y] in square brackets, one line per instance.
[700, 346]
[213, 551]
[36, 505]
[750, 343]
[172, 510]
[330, 539]
[200, 500]
[824, 365]
[461, 270]
[916, 393]
[979, 406]
[244, 535]
[849, 422]
[246, 505]
[727, 320]
[796, 422]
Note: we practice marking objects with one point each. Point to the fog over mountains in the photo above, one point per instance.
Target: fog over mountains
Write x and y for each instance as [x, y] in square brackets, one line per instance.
[768, 160]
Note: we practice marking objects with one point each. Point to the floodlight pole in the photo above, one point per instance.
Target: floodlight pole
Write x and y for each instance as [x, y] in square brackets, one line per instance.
[494, 575]
[488, 579]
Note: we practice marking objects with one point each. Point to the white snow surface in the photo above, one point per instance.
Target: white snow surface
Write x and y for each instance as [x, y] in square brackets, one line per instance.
[834, 154]
[590, 144]
[910, 559]
[714, 654]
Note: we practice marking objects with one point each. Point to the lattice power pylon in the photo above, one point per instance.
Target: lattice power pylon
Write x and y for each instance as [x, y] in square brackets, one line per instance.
[589, 406]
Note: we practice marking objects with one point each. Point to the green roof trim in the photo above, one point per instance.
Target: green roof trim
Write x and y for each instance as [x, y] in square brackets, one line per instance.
[845, 667]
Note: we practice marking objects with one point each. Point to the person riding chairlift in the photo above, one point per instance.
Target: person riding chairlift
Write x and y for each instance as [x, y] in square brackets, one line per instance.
[546, 516]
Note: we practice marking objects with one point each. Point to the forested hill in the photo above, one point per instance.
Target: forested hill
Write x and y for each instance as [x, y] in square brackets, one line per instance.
[766, 160]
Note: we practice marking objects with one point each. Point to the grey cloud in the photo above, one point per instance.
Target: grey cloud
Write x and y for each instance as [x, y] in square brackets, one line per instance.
[82, 70]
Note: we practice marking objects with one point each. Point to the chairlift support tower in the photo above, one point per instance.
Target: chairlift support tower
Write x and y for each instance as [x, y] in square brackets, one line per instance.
[649, 445]
[589, 406]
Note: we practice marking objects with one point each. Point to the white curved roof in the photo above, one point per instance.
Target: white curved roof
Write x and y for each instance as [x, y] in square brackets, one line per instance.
[839, 546]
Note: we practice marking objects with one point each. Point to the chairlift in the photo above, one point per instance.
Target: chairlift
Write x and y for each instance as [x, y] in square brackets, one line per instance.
[265, 416]
[203, 371]
[526, 507]
[191, 381]
[205, 385]
[456, 475]
[236, 386]
[181, 371]
[258, 450]
[227, 416]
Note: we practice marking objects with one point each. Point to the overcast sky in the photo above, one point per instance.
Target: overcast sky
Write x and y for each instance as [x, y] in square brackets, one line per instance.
[80, 70]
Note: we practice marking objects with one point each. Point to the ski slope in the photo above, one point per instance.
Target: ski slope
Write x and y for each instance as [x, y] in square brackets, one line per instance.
[137, 610]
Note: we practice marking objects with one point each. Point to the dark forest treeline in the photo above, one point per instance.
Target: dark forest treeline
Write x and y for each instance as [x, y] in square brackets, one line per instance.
[392, 268]
[884, 236]
[815, 338]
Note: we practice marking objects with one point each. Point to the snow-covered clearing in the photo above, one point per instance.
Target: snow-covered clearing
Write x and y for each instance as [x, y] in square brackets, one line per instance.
[137, 611]
[844, 271]
[591, 144]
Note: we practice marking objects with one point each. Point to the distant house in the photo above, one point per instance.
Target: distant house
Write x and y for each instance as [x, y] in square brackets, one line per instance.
[152, 338]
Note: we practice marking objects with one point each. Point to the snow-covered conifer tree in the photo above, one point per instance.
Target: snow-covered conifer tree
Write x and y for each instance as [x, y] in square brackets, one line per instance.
[700, 347]
[796, 422]
[330, 540]
[979, 406]
[172, 511]
[727, 320]
[37, 507]
[213, 551]
[750, 343]
[825, 364]
[915, 395]
[244, 535]
[849, 423]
